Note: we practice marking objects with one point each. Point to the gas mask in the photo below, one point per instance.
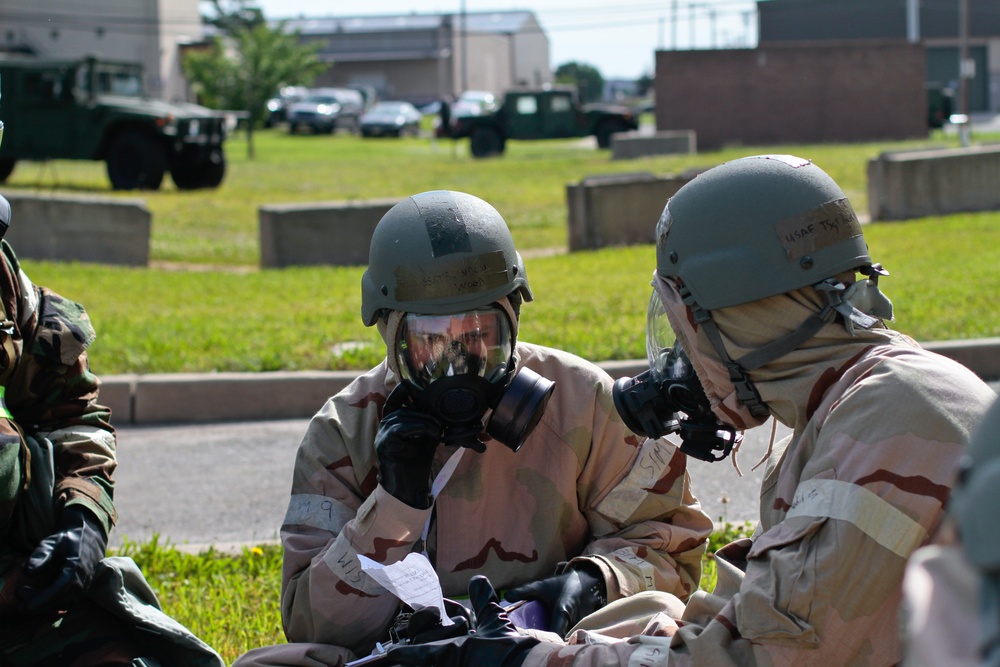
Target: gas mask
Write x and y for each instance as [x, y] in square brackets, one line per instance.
[669, 398]
[458, 367]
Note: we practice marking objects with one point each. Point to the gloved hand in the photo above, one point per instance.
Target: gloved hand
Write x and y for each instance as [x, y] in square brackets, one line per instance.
[567, 597]
[65, 560]
[425, 624]
[495, 643]
[405, 445]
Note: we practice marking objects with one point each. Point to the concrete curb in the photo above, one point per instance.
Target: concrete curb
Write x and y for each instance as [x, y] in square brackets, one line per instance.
[219, 397]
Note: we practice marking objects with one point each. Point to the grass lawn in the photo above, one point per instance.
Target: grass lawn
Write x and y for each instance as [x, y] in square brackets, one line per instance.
[204, 306]
[213, 310]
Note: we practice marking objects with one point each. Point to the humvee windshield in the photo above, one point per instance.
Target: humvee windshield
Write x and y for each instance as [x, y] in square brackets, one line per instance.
[110, 79]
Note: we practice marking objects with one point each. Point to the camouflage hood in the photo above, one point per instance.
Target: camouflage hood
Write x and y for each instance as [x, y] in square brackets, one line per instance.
[789, 385]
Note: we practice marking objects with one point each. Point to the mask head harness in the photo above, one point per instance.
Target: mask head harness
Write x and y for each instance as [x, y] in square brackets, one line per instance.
[669, 398]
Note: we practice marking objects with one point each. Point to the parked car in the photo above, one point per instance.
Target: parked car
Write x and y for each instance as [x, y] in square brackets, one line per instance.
[483, 100]
[391, 119]
[326, 109]
[277, 107]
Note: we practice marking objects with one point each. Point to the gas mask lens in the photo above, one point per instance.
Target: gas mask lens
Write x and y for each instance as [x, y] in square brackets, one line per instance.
[476, 343]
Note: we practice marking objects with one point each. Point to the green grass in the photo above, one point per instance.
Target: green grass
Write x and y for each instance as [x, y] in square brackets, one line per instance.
[209, 308]
[527, 184]
[205, 307]
[231, 600]
[945, 275]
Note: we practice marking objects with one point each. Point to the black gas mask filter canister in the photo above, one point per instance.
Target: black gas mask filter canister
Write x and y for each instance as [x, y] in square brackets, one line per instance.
[669, 398]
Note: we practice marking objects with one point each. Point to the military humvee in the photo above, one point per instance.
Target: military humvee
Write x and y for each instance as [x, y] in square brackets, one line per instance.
[546, 113]
[89, 109]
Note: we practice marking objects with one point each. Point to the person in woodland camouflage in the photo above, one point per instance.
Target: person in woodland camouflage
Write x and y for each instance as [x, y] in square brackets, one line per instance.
[458, 446]
[62, 602]
[758, 312]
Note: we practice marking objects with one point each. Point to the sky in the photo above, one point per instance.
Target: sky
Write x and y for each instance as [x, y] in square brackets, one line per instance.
[619, 39]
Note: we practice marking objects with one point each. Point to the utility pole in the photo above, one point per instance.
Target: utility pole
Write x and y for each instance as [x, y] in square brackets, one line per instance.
[966, 70]
[913, 21]
[673, 25]
[691, 7]
[464, 48]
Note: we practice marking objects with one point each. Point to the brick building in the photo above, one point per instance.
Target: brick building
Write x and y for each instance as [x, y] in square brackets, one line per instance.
[794, 92]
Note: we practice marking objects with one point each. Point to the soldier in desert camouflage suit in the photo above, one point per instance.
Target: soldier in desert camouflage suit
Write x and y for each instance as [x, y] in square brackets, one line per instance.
[582, 489]
[757, 313]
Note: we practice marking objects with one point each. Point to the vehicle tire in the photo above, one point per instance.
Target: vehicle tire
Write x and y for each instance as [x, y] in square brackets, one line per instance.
[136, 161]
[606, 129]
[6, 167]
[214, 169]
[195, 170]
[485, 142]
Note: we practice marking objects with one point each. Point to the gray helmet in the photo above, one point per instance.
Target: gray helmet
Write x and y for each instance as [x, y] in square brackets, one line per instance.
[756, 227]
[440, 252]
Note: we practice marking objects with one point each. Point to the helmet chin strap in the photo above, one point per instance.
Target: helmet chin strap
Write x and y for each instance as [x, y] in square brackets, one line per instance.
[838, 300]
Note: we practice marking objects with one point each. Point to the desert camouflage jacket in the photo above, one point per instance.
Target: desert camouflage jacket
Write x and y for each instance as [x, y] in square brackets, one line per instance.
[48, 391]
[858, 486]
[582, 486]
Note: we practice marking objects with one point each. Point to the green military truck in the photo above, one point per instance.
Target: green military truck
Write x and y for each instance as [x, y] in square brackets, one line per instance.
[545, 113]
[89, 109]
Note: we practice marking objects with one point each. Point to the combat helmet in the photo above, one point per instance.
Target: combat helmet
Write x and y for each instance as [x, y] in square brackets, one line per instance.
[440, 252]
[756, 227]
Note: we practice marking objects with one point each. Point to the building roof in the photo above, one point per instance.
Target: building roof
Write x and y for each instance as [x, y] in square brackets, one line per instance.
[501, 22]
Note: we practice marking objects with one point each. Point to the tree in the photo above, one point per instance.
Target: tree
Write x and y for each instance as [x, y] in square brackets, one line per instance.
[586, 78]
[245, 68]
[232, 14]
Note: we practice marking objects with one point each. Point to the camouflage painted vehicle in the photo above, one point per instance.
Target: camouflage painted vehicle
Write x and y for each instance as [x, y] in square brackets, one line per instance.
[542, 113]
[89, 109]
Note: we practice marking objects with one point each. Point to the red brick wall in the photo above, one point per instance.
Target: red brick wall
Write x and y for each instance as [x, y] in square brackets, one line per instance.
[794, 92]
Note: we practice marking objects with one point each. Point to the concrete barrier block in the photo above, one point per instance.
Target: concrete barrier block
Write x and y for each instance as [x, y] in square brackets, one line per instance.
[102, 230]
[630, 145]
[322, 233]
[617, 209]
[181, 397]
[116, 392]
[914, 184]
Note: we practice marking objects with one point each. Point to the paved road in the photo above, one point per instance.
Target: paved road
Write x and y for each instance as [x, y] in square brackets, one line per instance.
[228, 484]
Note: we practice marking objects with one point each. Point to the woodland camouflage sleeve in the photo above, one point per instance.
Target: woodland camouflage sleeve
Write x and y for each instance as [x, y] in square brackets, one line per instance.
[53, 394]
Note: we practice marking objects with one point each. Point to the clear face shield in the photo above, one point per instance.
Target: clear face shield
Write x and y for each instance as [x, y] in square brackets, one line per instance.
[458, 367]
[669, 398]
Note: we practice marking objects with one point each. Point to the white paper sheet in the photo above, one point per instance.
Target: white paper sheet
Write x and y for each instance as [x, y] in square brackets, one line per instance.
[412, 580]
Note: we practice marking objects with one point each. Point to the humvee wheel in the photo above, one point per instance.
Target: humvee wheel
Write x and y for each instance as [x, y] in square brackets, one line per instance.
[485, 141]
[136, 161]
[6, 167]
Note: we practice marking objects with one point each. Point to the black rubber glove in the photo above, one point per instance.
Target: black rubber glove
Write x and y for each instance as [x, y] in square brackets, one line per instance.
[63, 563]
[567, 597]
[425, 625]
[405, 445]
[495, 643]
